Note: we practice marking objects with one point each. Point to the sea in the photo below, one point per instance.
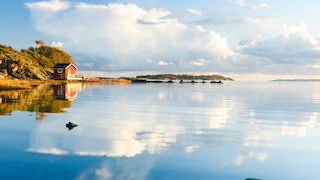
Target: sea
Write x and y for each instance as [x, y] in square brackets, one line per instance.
[238, 130]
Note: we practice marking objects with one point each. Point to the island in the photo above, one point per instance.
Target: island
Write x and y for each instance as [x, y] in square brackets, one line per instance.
[36, 65]
[181, 78]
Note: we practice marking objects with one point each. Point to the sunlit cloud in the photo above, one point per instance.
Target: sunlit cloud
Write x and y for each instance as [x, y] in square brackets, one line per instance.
[194, 11]
[295, 45]
[244, 4]
[52, 5]
[56, 44]
[128, 37]
[164, 63]
[315, 66]
[131, 37]
[200, 62]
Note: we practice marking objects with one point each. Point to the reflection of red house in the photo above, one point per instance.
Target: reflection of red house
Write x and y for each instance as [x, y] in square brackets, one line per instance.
[64, 92]
[65, 71]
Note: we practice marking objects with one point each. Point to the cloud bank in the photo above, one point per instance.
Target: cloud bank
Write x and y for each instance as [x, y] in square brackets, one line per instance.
[293, 47]
[126, 37]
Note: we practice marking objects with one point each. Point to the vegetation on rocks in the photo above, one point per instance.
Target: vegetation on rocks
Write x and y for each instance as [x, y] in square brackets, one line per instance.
[31, 63]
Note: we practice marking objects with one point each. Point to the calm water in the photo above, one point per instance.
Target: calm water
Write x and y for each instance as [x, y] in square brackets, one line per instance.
[238, 130]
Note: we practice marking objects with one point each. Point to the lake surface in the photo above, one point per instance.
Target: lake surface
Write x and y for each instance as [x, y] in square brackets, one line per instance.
[236, 130]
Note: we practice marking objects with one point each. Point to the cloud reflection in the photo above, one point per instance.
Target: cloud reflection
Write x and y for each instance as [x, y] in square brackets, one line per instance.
[129, 121]
[53, 151]
[239, 160]
[299, 129]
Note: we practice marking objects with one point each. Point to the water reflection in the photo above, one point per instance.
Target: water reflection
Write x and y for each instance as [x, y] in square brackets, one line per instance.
[130, 123]
[146, 131]
[66, 91]
[41, 99]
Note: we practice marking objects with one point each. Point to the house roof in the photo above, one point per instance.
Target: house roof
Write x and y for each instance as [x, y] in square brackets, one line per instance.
[64, 65]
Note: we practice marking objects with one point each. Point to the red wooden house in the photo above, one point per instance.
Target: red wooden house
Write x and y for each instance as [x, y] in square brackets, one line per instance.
[65, 71]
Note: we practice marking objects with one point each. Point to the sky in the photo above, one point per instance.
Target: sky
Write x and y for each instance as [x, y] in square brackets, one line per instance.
[225, 36]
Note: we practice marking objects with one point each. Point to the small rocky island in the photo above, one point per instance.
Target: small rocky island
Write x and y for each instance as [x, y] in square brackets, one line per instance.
[31, 63]
[186, 77]
[181, 78]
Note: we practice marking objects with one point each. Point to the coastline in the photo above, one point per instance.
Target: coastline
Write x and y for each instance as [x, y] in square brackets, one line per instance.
[16, 84]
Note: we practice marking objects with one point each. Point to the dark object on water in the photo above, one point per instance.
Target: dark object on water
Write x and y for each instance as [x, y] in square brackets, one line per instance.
[71, 125]
[252, 179]
[135, 80]
[218, 82]
[154, 81]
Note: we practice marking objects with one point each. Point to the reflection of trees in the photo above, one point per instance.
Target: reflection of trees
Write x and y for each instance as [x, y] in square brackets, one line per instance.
[39, 99]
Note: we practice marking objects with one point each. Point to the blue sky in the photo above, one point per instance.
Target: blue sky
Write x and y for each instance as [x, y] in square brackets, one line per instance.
[226, 36]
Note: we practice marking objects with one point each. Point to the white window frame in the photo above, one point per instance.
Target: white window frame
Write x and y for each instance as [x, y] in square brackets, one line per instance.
[60, 70]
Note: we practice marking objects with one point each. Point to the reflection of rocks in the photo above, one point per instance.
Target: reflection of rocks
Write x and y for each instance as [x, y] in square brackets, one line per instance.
[40, 99]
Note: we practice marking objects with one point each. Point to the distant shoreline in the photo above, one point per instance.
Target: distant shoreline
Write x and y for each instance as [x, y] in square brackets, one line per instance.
[296, 80]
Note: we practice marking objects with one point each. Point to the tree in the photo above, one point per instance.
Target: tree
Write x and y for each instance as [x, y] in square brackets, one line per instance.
[40, 42]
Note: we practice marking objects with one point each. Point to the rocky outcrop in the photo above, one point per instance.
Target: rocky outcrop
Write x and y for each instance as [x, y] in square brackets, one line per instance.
[31, 63]
[11, 69]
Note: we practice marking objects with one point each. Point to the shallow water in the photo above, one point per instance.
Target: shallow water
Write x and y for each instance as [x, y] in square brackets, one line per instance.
[237, 130]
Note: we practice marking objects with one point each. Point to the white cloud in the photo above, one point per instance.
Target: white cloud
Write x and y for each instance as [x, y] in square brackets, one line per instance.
[300, 31]
[200, 62]
[194, 11]
[113, 37]
[53, 5]
[164, 63]
[315, 66]
[244, 4]
[56, 44]
[126, 37]
[294, 45]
